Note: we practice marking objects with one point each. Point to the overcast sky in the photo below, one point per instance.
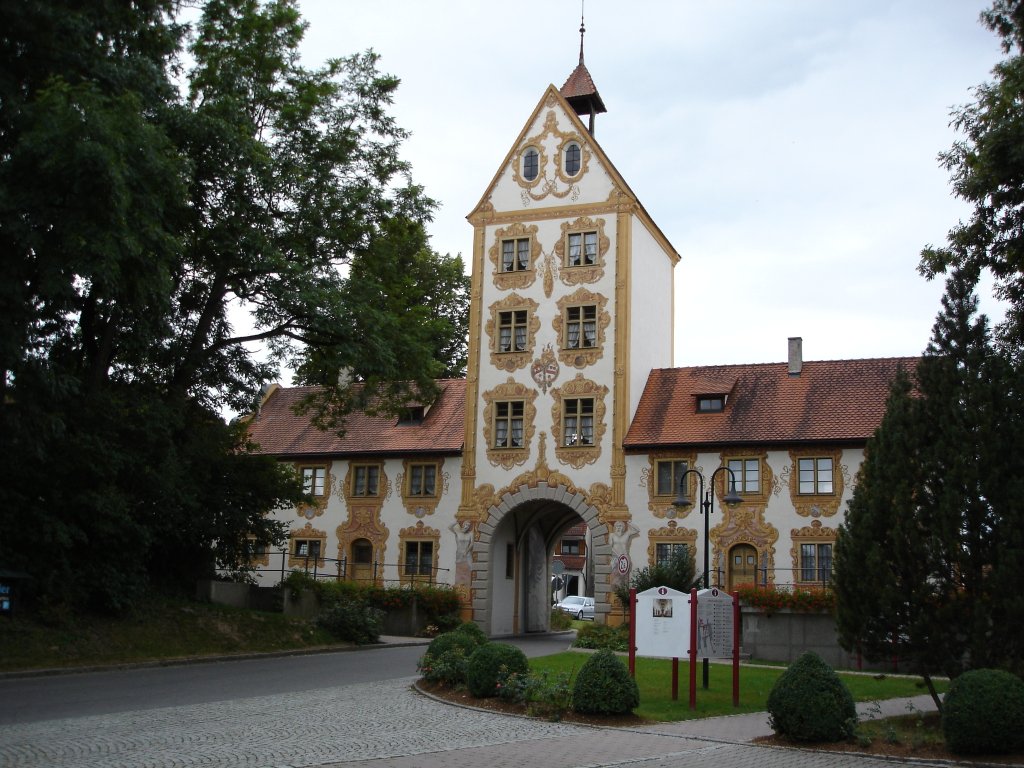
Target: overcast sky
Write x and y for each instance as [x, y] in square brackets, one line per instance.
[787, 148]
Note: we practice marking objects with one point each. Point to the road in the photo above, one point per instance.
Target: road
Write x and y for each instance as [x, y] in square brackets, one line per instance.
[30, 699]
[339, 710]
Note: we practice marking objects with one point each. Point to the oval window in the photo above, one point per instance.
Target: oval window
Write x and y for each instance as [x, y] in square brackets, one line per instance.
[531, 167]
[572, 159]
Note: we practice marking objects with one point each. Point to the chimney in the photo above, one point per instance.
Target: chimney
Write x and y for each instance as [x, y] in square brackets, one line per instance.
[796, 355]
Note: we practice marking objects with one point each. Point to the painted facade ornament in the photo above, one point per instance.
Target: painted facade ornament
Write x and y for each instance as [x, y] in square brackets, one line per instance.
[307, 533]
[550, 143]
[513, 359]
[574, 454]
[418, 533]
[815, 533]
[745, 524]
[508, 456]
[513, 275]
[545, 369]
[620, 534]
[583, 272]
[587, 344]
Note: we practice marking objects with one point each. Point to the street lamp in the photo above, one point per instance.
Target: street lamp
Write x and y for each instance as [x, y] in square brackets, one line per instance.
[707, 505]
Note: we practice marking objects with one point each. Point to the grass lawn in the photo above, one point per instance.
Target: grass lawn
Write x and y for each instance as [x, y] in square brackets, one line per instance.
[654, 677]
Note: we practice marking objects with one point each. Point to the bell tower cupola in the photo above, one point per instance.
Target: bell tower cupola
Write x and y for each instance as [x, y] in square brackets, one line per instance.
[581, 93]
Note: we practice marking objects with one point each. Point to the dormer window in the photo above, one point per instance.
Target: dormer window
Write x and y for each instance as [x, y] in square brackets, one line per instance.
[710, 403]
[412, 415]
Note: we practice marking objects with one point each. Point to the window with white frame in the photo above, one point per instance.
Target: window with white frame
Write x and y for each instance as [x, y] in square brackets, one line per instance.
[815, 563]
[747, 475]
[314, 480]
[669, 475]
[365, 480]
[508, 424]
[815, 475]
[512, 330]
[578, 421]
[581, 250]
[515, 254]
[422, 479]
[419, 558]
[580, 327]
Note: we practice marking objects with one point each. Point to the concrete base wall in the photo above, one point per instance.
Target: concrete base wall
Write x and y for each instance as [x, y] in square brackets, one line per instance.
[783, 635]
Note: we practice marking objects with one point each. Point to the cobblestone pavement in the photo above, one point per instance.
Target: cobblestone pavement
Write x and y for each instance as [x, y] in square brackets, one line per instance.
[378, 725]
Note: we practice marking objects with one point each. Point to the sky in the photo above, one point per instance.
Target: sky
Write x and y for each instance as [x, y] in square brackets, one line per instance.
[788, 149]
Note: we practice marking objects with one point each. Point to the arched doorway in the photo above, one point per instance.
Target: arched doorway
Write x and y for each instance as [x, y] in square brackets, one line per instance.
[742, 566]
[516, 555]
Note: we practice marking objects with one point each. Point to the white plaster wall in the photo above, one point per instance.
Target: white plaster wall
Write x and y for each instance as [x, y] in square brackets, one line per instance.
[650, 330]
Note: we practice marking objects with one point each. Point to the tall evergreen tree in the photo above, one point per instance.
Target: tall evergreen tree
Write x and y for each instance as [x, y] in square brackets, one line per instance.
[933, 524]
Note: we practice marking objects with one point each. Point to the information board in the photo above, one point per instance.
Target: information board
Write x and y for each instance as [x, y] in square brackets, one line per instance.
[662, 623]
[714, 624]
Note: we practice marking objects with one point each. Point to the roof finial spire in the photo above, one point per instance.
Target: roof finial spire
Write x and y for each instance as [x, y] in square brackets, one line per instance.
[583, 29]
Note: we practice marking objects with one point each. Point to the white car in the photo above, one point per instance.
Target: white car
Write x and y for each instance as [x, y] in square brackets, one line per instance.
[580, 607]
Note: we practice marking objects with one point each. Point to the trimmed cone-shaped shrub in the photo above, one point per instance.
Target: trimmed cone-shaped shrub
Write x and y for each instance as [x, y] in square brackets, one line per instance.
[491, 665]
[604, 687]
[809, 702]
[983, 712]
[446, 657]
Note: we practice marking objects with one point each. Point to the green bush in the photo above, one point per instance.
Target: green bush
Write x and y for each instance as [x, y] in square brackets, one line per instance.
[472, 629]
[809, 702]
[984, 712]
[597, 636]
[352, 621]
[542, 695]
[604, 687]
[560, 620]
[446, 657]
[491, 665]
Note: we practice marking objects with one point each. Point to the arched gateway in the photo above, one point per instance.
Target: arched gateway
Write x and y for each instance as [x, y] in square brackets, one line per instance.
[511, 570]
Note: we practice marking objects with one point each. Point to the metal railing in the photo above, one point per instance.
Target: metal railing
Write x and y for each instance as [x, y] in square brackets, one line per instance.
[329, 568]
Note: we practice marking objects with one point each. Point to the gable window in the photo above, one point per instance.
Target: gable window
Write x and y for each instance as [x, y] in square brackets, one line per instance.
[412, 415]
[570, 546]
[815, 562]
[314, 480]
[572, 159]
[816, 476]
[512, 330]
[419, 558]
[710, 404]
[582, 250]
[531, 164]
[669, 475]
[365, 480]
[515, 254]
[747, 474]
[664, 552]
[581, 327]
[422, 479]
[578, 421]
[508, 424]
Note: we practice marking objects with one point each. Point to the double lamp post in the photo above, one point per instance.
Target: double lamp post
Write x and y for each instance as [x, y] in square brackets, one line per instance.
[707, 505]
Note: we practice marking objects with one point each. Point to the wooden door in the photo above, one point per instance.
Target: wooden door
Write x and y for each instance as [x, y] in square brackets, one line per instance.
[742, 566]
[361, 559]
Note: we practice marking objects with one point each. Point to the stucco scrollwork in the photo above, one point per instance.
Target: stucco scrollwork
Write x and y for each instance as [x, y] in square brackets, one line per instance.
[673, 533]
[660, 504]
[815, 533]
[550, 138]
[306, 533]
[580, 355]
[363, 523]
[575, 454]
[745, 524]
[418, 532]
[815, 504]
[583, 273]
[516, 357]
[517, 278]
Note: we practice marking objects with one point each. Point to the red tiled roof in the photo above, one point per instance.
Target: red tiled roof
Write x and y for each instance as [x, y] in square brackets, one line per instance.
[832, 401]
[278, 430]
[579, 87]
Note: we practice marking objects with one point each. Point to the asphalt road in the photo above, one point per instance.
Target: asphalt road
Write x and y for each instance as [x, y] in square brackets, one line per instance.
[32, 699]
